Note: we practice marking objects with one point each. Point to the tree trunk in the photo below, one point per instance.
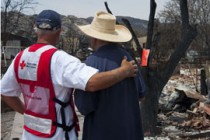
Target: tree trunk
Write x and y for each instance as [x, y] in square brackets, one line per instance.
[203, 83]
[149, 107]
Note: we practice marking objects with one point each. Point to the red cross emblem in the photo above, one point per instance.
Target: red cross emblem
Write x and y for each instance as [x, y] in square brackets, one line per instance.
[22, 64]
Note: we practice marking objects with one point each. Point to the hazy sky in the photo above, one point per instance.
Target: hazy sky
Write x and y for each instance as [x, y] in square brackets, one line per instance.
[86, 8]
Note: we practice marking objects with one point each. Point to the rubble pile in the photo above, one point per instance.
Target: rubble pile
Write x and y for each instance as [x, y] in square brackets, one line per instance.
[184, 113]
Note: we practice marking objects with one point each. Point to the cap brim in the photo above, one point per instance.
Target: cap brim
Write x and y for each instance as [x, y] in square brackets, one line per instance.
[121, 33]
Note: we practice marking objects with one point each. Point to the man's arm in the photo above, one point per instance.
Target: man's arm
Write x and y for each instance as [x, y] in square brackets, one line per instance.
[104, 80]
[14, 102]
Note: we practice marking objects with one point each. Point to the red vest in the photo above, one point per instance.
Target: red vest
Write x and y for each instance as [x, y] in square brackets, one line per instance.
[32, 69]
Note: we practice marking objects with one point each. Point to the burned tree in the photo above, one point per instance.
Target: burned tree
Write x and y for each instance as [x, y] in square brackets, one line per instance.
[156, 80]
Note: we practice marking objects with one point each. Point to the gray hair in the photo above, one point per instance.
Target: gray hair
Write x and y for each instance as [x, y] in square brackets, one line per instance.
[41, 31]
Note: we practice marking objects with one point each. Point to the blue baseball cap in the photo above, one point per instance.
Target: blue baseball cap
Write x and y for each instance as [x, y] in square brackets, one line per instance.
[48, 20]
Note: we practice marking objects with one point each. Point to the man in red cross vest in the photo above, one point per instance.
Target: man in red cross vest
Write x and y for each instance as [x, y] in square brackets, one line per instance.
[46, 78]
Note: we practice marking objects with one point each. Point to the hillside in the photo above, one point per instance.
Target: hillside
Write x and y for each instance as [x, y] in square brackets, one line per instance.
[25, 24]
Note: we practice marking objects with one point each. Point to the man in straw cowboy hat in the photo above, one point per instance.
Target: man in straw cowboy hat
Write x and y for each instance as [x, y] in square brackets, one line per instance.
[46, 76]
[112, 113]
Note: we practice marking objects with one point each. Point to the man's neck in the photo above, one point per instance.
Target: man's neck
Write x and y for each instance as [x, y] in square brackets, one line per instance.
[44, 41]
[100, 44]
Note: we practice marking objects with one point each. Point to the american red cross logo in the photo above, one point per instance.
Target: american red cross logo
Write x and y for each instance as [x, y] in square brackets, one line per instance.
[22, 64]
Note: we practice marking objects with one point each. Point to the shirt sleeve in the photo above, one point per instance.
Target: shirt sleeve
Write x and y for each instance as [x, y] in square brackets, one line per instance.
[68, 71]
[141, 86]
[9, 84]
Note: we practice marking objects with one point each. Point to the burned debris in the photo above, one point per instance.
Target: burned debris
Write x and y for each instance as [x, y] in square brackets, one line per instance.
[184, 112]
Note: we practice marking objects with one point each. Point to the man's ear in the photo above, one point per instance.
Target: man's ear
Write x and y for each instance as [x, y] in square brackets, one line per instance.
[92, 41]
[58, 31]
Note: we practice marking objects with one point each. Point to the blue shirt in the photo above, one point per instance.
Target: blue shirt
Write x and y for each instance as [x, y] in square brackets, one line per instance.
[112, 113]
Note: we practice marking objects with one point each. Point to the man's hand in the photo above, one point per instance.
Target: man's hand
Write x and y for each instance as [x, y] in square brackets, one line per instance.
[130, 68]
[104, 80]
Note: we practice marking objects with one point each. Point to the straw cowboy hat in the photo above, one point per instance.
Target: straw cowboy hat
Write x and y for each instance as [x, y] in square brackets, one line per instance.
[104, 27]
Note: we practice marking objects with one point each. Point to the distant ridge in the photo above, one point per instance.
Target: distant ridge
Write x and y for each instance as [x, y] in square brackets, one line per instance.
[25, 25]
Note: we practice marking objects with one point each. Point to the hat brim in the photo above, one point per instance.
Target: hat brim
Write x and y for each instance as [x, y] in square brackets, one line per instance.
[121, 34]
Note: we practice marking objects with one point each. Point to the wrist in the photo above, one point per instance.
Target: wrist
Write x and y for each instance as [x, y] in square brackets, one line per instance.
[122, 72]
